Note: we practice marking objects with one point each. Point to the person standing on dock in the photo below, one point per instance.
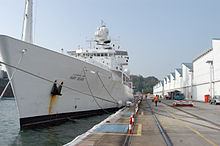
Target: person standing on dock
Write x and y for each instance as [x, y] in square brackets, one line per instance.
[156, 100]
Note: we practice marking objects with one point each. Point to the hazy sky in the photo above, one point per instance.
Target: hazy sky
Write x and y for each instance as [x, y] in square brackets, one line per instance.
[158, 34]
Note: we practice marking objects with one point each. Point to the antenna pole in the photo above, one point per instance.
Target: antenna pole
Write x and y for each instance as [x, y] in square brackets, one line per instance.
[27, 25]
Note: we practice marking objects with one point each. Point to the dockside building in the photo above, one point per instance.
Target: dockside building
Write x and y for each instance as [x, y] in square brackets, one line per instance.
[196, 79]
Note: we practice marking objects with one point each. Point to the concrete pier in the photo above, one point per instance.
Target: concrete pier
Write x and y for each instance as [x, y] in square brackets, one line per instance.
[144, 131]
[180, 127]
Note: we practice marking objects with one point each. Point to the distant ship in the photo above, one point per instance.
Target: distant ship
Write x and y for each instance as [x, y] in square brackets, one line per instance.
[51, 86]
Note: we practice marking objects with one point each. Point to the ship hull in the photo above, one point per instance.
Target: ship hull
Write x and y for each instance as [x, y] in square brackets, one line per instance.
[56, 119]
[87, 88]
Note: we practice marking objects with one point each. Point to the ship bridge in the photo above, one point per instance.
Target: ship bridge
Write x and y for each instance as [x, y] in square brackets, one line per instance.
[104, 53]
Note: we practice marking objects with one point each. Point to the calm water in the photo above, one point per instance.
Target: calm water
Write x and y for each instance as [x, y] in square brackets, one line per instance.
[10, 134]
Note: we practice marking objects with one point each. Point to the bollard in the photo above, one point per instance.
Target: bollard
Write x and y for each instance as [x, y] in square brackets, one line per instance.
[129, 127]
[139, 101]
[130, 121]
[133, 120]
[133, 115]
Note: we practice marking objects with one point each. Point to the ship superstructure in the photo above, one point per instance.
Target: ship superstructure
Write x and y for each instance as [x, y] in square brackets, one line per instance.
[106, 55]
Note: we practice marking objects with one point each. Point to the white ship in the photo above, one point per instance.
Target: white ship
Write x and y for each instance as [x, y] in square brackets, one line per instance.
[94, 79]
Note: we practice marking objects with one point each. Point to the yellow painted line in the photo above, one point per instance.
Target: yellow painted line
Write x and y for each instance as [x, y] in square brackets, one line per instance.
[126, 113]
[168, 123]
[163, 124]
[115, 134]
[117, 123]
[208, 140]
[141, 117]
[180, 126]
[139, 130]
[124, 119]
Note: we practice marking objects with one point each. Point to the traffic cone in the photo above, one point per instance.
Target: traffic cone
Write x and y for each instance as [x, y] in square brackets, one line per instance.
[130, 121]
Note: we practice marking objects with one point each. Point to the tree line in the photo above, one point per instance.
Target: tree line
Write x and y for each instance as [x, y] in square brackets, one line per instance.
[144, 85]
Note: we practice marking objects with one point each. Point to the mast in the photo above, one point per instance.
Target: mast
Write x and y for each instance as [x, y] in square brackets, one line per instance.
[27, 25]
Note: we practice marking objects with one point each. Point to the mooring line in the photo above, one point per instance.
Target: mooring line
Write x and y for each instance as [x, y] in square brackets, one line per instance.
[105, 87]
[92, 93]
[45, 79]
[12, 76]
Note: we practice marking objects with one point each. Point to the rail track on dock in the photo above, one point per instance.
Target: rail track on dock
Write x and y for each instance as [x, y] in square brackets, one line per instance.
[162, 131]
[198, 117]
[180, 125]
[161, 125]
[128, 138]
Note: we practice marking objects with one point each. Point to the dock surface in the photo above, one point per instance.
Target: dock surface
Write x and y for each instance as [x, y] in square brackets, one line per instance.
[182, 126]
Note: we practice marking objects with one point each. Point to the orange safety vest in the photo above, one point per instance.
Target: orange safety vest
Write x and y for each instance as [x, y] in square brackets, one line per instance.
[156, 98]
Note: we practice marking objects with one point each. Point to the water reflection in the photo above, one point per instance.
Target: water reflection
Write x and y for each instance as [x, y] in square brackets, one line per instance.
[10, 133]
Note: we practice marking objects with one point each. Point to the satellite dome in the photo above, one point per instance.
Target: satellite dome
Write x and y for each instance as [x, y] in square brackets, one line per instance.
[102, 33]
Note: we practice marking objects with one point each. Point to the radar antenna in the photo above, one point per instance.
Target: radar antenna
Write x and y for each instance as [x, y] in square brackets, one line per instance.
[102, 23]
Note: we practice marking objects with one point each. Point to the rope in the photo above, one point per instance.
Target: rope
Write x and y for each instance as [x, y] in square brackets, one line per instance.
[12, 76]
[45, 79]
[92, 93]
[105, 87]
